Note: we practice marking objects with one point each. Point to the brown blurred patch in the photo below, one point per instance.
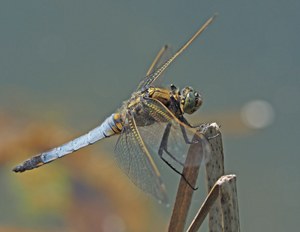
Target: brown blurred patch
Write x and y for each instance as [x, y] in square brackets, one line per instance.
[16, 229]
[87, 192]
[18, 138]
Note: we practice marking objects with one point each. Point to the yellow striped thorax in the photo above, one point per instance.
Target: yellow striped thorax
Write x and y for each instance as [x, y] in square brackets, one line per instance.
[186, 100]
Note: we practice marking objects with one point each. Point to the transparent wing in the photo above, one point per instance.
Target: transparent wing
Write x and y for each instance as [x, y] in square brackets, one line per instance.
[154, 75]
[167, 136]
[133, 157]
[141, 140]
[162, 56]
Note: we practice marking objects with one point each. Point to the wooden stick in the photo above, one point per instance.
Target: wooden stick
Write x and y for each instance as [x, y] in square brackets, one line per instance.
[185, 192]
[223, 192]
[229, 202]
[190, 172]
[204, 209]
[214, 170]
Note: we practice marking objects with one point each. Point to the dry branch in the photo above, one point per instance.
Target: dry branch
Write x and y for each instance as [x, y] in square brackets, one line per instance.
[185, 192]
[221, 203]
[223, 193]
[190, 172]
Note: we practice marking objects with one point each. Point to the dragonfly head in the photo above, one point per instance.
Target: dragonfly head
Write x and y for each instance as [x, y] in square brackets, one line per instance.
[190, 100]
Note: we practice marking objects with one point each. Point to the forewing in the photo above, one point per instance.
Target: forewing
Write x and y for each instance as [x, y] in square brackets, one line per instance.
[162, 56]
[157, 72]
[134, 158]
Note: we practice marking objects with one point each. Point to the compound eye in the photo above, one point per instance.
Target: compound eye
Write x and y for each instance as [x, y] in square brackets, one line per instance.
[198, 100]
[191, 100]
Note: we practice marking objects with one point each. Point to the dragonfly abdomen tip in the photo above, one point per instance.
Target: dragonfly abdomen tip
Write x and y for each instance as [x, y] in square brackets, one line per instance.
[19, 168]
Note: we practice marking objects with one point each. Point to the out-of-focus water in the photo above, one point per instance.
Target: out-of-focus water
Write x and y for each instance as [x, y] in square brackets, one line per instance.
[77, 61]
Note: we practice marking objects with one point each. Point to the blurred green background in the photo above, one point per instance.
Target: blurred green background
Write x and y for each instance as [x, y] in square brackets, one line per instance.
[66, 65]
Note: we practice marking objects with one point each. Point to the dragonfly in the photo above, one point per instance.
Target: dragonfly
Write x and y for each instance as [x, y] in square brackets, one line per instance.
[150, 124]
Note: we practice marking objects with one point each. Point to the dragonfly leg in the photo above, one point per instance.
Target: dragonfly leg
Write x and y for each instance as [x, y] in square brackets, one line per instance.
[186, 139]
[178, 172]
[164, 144]
[201, 128]
[163, 147]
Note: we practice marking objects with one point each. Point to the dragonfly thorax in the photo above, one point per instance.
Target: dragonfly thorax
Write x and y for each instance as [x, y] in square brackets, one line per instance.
[190, 100]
